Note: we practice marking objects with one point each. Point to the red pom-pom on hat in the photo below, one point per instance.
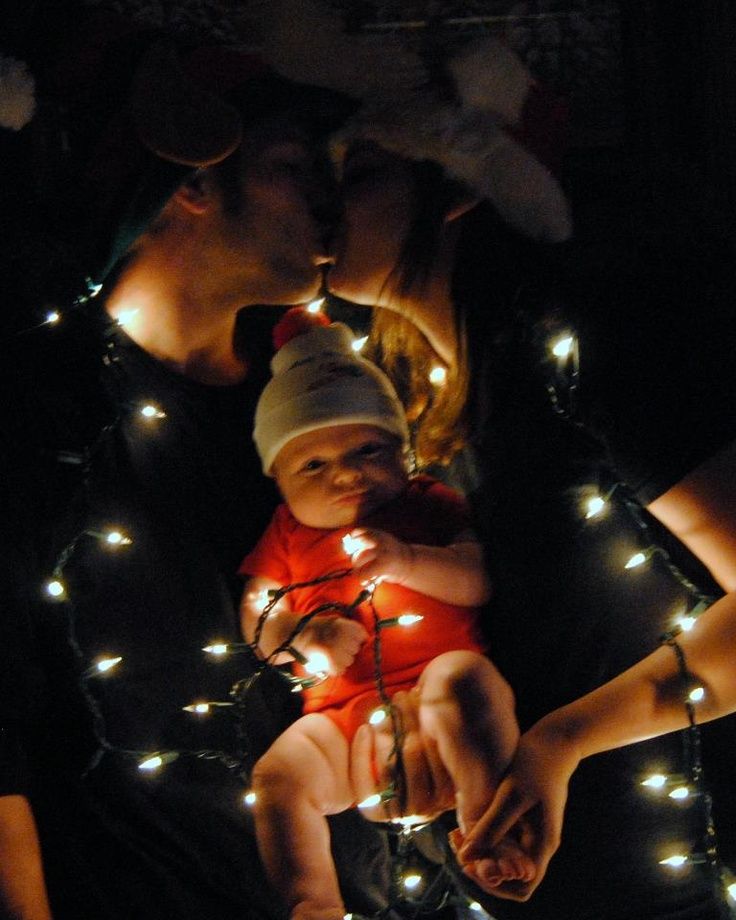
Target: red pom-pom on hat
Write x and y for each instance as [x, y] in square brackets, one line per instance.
[294, 322]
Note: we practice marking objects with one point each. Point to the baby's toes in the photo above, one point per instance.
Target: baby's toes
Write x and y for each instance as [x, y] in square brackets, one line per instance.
[488, 873]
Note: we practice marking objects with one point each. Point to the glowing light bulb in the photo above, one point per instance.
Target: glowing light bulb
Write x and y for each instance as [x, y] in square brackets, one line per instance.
[655, 781]
[675, 861]
[407, 822]
[117, 538]
[686, 623]
[377, 716]
[594, 506]
[731, 889]
[105, 664]
[682, 792]
[53, 317]
[150, 411]
[218, 648]
[359, 344]
[563, 347]
[438, 375]
[474, 905]
[353, 545]
[412, 881]
[155, 761]
[409, 619]
[249, 798]
[696, 694]
[636, 560]
[371, 801]
[318, 664]
[125, 317]
[316, 305]
[200, 708]
[55, 588]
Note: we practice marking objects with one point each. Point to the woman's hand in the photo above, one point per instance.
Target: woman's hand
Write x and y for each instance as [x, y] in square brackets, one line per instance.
[529, 806]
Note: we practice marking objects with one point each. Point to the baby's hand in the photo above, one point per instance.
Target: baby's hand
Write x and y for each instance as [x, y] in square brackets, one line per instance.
[336, 637]
[381, 557]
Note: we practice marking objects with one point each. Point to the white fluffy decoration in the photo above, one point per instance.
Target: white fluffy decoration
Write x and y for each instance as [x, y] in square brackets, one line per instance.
[475, 148]
[17, 101]
[304, 40]
[490, 77]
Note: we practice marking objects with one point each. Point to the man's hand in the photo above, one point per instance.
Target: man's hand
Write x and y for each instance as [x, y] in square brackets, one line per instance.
[336, 637]
[381, 556]
[427, 787]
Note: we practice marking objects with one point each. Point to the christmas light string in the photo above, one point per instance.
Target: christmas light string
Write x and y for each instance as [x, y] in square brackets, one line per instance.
[563, 390]
[429, 897]
[441, 890]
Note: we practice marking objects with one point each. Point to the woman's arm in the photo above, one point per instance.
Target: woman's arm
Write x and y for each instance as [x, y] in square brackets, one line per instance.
[455, 573]
[701, 511]
[22, 885]
[645, 701]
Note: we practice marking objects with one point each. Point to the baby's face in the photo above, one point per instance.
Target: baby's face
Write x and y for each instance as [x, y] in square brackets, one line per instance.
[335, 476]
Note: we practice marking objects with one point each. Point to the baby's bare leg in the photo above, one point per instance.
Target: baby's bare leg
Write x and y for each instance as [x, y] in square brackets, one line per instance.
[466, 708]
[302, 778]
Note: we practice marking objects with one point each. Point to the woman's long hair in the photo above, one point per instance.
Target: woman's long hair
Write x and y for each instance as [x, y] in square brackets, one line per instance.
[485, 283]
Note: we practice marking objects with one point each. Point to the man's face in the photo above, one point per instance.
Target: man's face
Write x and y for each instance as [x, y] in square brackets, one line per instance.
[335, 476]
[275, 232]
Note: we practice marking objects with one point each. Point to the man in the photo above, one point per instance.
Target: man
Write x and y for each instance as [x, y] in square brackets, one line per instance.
[132, 491]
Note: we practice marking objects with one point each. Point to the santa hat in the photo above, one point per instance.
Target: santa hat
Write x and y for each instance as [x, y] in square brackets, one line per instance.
[319, 381]
[498, 136]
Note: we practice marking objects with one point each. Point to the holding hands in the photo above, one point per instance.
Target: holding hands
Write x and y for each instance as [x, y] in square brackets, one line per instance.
[528, 805]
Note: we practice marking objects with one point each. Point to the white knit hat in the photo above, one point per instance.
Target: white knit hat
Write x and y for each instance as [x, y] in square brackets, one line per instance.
[318, 380]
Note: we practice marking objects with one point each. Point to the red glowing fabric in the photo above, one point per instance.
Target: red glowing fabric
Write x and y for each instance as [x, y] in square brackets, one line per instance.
[427, 513]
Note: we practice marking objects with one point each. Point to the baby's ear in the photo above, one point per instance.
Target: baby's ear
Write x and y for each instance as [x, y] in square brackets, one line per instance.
[458, 208]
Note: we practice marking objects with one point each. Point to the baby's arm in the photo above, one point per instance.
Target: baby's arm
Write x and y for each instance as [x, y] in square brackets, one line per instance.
[332, 635]
[455, 573]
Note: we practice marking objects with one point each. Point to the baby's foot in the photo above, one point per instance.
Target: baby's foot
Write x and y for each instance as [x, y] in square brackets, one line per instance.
[507, 863]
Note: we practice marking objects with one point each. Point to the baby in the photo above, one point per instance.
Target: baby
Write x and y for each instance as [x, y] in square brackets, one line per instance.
[331, 430]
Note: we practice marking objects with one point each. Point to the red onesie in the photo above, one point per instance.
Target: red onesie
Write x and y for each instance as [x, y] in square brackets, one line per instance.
[428, 513]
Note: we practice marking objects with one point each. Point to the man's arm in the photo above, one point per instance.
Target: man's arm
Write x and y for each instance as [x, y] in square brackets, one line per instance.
[455, 574]
[22, 885]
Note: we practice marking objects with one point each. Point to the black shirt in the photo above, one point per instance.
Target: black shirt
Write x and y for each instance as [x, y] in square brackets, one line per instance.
[566, 614]
[185, 485]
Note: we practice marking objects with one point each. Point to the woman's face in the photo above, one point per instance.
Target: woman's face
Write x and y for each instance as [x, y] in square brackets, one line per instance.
[376, 189]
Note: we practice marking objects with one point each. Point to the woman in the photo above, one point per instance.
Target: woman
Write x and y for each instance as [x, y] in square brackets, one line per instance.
[559, 474]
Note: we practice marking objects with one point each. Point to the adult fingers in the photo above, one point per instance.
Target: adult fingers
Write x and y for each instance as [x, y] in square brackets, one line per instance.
[501, 815]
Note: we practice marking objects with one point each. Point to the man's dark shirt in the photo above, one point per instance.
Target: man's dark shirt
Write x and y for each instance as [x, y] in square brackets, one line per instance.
[186, 486]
